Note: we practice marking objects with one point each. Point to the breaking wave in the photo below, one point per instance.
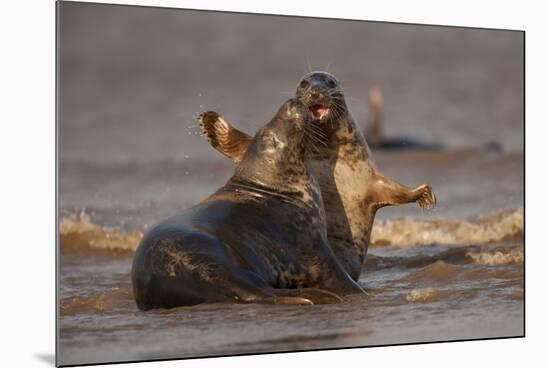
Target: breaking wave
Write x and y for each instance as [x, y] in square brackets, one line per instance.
[506, 225]
[81, 236]
[497, 257]
[462, 254]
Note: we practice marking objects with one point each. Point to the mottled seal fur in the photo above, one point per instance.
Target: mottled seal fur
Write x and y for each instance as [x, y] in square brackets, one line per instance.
[352, 188]
[261, 238]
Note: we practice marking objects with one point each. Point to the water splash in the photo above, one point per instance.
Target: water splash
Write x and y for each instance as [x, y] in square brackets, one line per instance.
[423, 295]
[83, 237]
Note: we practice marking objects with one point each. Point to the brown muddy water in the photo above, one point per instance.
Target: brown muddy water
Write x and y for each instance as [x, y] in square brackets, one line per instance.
[429, 277]
[131, 81]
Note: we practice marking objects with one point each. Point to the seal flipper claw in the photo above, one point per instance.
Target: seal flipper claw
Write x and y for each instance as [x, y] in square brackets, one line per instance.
[427, 197]
[227, 140]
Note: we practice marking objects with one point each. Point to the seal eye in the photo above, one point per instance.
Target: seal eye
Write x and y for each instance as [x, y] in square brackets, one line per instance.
[304, 83]
[331, 83]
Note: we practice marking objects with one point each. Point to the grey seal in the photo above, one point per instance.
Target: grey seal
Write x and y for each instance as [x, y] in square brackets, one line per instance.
[352, 187]
[261, 238]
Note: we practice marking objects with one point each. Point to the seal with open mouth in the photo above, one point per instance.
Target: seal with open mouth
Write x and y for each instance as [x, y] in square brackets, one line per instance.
[352, 187]
[261, 238]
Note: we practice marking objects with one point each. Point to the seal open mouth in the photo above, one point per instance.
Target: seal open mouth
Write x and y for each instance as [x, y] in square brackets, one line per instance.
[319, 111]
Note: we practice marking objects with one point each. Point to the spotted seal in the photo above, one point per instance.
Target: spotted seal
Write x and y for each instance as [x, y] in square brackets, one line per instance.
[261, 238]
[352, 187]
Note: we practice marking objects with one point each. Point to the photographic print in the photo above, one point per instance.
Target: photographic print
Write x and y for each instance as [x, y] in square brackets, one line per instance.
[233, 183]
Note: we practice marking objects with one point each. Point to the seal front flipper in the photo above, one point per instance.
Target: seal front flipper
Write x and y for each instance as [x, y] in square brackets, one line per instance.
[287, 300]
[227, 140]
[317, 296]
[387, 192]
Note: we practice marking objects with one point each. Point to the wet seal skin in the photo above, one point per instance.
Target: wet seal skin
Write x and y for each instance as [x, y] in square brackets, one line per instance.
[352, 187]
[261, 238]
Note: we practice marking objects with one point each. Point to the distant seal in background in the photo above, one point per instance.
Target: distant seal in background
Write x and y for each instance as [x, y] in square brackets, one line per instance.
[261, 238]
[352, 187]
[377, 139]
[375, 132]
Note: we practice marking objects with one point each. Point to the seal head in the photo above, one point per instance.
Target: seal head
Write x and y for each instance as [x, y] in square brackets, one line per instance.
[275, 162]
[322, 94]
[278, 147]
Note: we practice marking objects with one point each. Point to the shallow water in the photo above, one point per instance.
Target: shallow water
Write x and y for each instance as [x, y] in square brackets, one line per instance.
[428, 277]
[415, 294]
[130, 155]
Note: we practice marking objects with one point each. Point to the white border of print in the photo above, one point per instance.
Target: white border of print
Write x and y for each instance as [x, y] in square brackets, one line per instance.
[28, 181]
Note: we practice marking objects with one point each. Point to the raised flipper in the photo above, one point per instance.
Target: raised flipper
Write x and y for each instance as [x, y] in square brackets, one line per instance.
[390, 193]
[231, 142]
